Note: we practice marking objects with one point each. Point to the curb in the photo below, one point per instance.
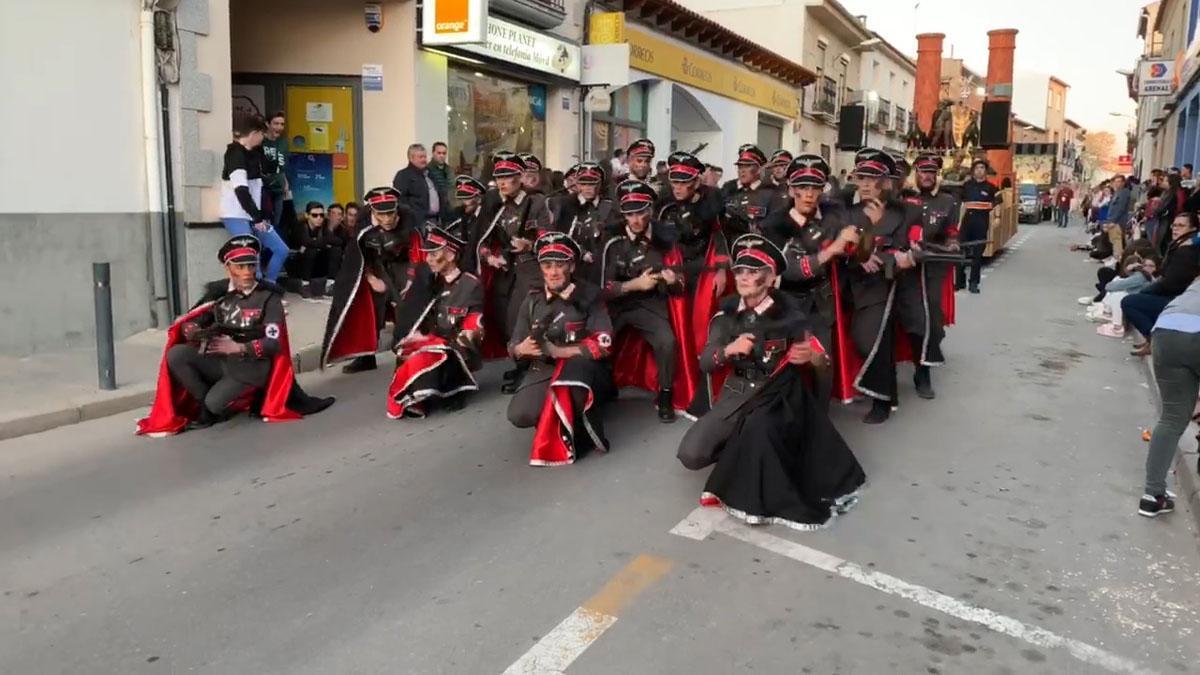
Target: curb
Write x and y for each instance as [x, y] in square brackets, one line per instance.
[1185, 458]
[135, 396]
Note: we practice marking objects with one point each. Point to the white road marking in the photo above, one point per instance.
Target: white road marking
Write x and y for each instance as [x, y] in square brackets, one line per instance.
[698, 525]
[561, 646]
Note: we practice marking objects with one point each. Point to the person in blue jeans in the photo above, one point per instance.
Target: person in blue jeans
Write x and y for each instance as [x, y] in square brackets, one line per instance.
[241, 193]
[1180, 267]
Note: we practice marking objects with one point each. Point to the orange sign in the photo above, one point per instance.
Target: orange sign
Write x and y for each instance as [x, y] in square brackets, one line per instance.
[451, 16]
[453, 22]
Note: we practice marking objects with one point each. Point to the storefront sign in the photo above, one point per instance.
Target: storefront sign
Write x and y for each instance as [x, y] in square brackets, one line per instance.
[655, 55]
[607, 28]
[454, 22]
[1156, 77]
[518, 45]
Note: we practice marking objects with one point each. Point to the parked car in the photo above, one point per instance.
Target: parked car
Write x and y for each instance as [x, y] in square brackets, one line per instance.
[1029, 207]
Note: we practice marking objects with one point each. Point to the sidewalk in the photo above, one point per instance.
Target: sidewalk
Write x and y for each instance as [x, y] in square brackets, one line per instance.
[46, 391]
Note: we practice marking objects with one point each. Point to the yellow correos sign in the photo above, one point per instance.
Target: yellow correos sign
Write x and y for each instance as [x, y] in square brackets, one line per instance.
[660, 57]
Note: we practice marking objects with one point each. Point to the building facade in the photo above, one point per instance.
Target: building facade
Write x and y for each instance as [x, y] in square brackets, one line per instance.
[888, 78]
[692, 83]
[1167, 131]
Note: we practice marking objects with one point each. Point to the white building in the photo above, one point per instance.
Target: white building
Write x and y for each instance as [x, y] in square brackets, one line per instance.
[888, 78]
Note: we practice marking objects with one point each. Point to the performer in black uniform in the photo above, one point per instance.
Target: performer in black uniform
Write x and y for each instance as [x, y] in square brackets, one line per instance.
[435, 360]
[747, 199]
[779, 459]
[516, 218]
[872, 274]
[588, 218]
[564, 332]
[979, 197]
[377, 275]
[637, 281]
[640, 156]
[531, 180]
[812, 236]
[462, 221]
[935, 233]
[777, 178]
[229, 352]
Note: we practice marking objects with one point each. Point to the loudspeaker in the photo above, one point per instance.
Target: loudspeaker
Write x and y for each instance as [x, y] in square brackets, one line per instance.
[994, 125]
[851, 125]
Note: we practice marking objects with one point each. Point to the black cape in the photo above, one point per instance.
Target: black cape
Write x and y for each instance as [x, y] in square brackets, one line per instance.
[785, 463]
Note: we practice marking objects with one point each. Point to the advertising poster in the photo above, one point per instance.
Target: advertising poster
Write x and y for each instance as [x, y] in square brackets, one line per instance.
[311, 178]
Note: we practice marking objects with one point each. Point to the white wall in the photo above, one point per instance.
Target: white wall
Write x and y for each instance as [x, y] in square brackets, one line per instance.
[74, 122]
[1030, 98]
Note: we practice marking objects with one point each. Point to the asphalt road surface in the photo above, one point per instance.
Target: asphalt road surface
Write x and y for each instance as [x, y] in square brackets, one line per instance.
[997, 534]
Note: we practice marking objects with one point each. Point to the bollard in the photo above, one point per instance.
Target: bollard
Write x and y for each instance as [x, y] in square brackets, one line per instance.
[106, 363]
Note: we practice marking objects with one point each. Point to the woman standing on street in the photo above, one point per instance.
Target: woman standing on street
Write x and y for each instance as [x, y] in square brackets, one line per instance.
[241, 193]
[1177, 371]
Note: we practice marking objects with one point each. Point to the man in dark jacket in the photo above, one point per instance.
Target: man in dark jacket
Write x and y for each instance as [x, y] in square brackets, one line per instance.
[417, 190]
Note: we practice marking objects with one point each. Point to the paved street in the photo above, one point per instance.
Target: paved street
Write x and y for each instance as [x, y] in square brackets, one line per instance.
[349, 543]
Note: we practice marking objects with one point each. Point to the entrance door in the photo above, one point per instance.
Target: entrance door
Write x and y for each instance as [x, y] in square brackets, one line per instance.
[321, 138]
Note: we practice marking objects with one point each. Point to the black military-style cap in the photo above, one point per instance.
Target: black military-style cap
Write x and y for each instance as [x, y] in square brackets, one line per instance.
[382, 199]
[750, 155]
[754, 251]
[437, 238]
[589, 173]
[642, 147]
[928, 163]
[505, 163]
[571, 173]
[872, 162]
[983, 161]
[902, 168]
[781, 156]
[684, 167]
[241, 249]
[808, 169]
[556, 247]
[634, 196]
[532, 163]
[466, 187]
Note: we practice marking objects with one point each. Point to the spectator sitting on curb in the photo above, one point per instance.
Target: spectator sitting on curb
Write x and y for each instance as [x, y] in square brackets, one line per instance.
[1180, 267]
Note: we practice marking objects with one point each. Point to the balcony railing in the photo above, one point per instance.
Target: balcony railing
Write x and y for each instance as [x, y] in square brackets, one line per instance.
[883, 116]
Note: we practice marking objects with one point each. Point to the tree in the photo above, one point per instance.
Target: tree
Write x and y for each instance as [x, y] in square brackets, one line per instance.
[1100, 150]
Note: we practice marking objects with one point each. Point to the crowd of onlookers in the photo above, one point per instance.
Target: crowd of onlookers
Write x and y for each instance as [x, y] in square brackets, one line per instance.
[1146, 238]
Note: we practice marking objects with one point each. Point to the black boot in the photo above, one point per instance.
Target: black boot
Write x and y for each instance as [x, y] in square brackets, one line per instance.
[512, 378]
[879, 413]
[203, 421]
[666, 409]
[974, 289]
[454, 403]
[360, 364]
[923, 381]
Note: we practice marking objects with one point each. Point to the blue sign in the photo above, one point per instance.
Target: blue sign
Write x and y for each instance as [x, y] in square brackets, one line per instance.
[310, 176]
[537, 101]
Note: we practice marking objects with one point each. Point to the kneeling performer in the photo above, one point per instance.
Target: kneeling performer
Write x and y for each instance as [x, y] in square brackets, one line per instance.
[779, 458]
[229, 354]
[436, 359]
[564, 333]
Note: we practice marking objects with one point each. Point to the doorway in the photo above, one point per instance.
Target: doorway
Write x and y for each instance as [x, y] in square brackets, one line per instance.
[693, 128]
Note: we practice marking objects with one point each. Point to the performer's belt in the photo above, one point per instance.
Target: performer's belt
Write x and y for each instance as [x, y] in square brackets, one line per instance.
[752, 375]
[978, 206]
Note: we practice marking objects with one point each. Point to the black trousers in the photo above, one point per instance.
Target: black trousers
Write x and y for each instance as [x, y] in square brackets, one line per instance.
[1103, 276]
[971, 272]
[207, 377]
[704, 440]
[656, 330]
[320, 263]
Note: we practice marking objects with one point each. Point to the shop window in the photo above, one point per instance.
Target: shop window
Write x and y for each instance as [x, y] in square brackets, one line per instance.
[770, 133]
[624, 123]
[489, 113]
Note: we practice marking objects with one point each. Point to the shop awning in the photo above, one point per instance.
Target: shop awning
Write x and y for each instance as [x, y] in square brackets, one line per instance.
[668, 16]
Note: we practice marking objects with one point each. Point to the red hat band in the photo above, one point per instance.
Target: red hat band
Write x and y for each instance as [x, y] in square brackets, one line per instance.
[382, 199]
[239, 252]
[759, 256]
[807, 173]
[557, 248]
[871, 164]
[507, 165]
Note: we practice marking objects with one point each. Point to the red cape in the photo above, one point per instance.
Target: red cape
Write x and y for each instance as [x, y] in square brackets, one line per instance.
[705, 303]
[556, 424]
[357, 335]
[633, 360]
[173, 407]
[420, 357]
